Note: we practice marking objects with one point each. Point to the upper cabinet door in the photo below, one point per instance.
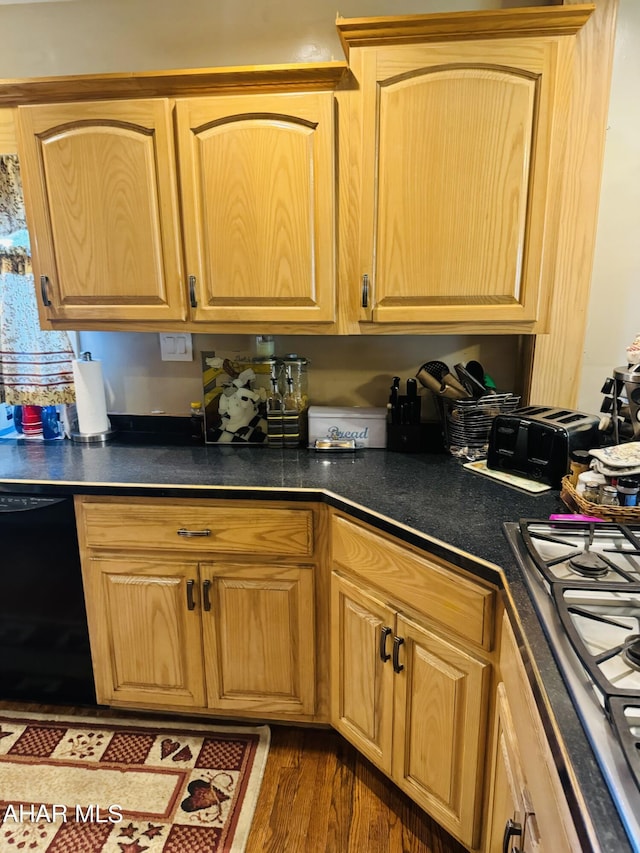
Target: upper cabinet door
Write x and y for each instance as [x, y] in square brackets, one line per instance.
[258, 185]
[460, 158]
[101, 200]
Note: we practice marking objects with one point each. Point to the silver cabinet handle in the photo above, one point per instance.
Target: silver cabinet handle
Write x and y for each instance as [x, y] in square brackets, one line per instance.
[44, 283]
[184, 532]
[192, 291]
[365, 291]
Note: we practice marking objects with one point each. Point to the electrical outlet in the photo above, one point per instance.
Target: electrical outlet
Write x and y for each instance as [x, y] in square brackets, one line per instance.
[176, 346]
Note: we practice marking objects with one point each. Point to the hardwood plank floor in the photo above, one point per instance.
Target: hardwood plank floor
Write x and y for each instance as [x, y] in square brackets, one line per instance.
[318, 795]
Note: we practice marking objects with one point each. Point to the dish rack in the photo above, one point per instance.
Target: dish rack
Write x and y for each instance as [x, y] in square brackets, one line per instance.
[466, 423]
[576, 503]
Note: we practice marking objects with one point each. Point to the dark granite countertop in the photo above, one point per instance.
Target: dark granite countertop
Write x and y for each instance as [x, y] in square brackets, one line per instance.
[427, 499]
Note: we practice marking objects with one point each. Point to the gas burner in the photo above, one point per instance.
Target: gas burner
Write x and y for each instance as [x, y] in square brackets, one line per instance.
[589, 553]
[631, 651]
[589, 565]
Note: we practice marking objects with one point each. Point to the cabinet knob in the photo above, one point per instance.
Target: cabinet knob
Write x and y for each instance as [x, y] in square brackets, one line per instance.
[512, 829]
[44, 290]
[384, 633]
[397, 642]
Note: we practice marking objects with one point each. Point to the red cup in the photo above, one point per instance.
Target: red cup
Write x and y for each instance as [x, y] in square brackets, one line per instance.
[32, 421]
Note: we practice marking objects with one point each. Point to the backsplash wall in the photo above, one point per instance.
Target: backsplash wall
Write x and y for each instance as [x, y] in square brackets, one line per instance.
[346, 371]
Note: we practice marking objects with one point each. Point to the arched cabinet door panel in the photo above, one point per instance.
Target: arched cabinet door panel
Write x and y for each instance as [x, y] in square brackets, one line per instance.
[258, 184]
[462, 146]
[101, 199]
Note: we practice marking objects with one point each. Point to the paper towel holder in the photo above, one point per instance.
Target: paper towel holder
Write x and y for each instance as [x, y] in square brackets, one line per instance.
[93, 437]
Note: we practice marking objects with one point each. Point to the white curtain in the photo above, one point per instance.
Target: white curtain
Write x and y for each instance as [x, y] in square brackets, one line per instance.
[35, 365]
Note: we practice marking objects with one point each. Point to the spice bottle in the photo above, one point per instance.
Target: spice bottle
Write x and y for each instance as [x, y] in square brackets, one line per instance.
[197, 423]
[609, 496]
[578, 464]
[591, 490]
[628, 491]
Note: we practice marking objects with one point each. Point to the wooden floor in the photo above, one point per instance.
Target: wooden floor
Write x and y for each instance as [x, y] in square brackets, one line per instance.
[319, 795]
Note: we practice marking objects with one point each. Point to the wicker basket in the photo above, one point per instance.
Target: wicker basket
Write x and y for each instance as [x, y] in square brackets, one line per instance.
[576, 503]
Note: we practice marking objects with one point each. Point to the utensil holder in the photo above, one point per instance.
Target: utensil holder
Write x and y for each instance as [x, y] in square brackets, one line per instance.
[466, 424]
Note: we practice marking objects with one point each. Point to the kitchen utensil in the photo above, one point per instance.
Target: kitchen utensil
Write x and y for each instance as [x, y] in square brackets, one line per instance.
[469, 382]
[477, 371]
[436, 376]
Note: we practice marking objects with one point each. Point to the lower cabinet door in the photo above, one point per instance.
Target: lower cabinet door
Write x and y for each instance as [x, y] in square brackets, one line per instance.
[440, 703]
[506, 808]
[362, 673]
[258, 631]
[145, 632]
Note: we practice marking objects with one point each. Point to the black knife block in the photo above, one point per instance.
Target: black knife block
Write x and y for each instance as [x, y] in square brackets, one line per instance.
[405, 438]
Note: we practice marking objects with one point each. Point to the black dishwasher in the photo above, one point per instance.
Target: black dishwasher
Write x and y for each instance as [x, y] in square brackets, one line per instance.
[44, 641]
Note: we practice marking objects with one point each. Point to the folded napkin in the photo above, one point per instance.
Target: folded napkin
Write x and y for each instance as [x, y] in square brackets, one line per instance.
[35, 365]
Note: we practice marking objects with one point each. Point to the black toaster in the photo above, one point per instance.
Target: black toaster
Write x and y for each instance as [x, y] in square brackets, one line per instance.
[535, 441]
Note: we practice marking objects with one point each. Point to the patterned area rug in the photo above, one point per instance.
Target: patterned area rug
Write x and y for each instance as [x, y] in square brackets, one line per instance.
[93, 785]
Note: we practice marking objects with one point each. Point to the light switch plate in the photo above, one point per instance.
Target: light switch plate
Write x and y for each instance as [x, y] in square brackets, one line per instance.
[176, 346]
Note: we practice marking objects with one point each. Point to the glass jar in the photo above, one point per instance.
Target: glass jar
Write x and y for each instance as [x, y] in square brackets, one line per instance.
[609, 496]
[295, 379]
[591, 491]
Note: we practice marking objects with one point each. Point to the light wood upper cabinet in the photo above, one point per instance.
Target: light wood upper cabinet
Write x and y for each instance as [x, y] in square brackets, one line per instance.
[101, 199]
[460, 161]
[258, 189]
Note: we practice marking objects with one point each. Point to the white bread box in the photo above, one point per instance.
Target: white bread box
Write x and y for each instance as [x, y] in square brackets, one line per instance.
[366, 425]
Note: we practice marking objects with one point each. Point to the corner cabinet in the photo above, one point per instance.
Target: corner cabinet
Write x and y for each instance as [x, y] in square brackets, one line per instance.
[233, 223]
[408, 691]
[457, 165]
[203, 605]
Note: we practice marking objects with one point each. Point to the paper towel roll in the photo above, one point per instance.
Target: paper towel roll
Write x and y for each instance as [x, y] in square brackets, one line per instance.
[91, 402]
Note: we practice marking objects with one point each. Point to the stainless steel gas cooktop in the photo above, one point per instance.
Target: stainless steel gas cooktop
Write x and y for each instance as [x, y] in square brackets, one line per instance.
[584, 579]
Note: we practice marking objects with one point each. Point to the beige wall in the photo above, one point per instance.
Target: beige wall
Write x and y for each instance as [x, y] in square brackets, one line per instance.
[91, 36]
[614, 308]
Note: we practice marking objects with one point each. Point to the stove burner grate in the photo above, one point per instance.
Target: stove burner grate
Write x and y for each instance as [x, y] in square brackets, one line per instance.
[570, 551]
[631, 651]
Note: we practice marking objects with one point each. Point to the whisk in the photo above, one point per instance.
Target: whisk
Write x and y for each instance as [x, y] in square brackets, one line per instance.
[436, 376]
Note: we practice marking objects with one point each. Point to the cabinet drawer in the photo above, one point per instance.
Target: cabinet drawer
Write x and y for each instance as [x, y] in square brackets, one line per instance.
[223, 529]
[421, 583]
